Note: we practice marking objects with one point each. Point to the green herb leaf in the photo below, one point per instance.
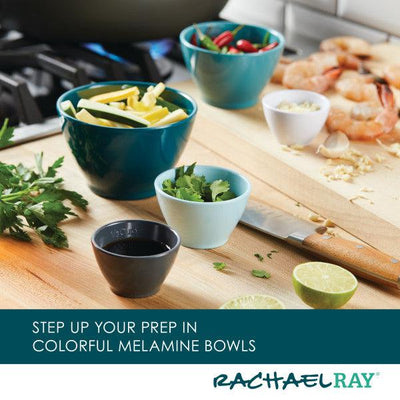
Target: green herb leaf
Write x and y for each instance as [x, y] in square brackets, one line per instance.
[6, 134]
[219, 266]
[35, 198]
[260, 273]
[52, 170]
[259, 256]
[218, 187]
[269, 255]
[191, 187]
[187, 194]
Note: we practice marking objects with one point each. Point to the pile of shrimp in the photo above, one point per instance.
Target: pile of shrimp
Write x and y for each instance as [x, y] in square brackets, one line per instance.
[375, 113]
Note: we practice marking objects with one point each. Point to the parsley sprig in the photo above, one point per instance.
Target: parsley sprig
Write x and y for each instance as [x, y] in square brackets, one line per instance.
[188, 186]
[6, 134]
[34, 197]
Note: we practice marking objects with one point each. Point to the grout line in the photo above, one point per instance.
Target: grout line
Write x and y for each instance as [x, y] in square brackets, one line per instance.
[284, 18]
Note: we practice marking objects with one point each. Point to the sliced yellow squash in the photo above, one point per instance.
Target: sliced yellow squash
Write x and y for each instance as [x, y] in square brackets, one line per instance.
[118, 104]
[115, 96]
[156, 114]
[106, 122]
[175, 116]
[85, 116]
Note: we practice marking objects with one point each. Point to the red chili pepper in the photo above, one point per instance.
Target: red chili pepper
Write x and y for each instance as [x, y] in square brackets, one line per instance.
[269, 46]
[193, 40]
[246, 46]
[233, 50]
[224, 38]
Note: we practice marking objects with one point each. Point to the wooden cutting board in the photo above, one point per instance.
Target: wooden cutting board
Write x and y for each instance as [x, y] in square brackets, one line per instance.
[33, 275]
[376, 220]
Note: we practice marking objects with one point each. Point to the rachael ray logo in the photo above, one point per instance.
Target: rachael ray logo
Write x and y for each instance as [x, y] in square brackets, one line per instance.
[274, 380]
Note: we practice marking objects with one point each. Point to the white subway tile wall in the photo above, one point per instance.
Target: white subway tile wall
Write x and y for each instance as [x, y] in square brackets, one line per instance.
[259, 12]
[314, 20]
[316, 26]
[383, 15]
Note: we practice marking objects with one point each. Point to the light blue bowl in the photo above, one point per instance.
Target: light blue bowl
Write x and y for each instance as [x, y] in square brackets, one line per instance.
[231, 80]
[204, 225]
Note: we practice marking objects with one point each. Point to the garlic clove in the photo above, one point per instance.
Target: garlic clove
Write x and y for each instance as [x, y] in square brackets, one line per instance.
[335, 145]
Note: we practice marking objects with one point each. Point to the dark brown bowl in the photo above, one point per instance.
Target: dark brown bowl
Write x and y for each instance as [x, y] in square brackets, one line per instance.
[135, 276]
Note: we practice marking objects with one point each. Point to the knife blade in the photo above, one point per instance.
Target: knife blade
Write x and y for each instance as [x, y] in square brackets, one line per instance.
[361, 259]
[278, 223]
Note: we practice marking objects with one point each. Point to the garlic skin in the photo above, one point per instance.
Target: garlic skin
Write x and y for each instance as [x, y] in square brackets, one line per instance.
[335, 145]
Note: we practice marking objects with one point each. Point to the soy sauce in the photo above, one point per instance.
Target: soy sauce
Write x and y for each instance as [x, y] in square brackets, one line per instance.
[136, 247]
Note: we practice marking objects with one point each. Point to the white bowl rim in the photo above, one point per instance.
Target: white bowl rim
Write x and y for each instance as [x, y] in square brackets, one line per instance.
[158, 188]
[324, 102]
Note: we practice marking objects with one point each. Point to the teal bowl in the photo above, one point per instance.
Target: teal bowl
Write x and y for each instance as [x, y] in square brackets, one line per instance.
[121, 163]
[231, 80]
[204, 225]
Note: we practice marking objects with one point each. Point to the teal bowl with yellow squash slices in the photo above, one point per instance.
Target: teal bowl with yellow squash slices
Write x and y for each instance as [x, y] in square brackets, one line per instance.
[122, 137]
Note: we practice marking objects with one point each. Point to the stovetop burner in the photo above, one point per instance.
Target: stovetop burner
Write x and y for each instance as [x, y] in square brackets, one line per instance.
[33, 75]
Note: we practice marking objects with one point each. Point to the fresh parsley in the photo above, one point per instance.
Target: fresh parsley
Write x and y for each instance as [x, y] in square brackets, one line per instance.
[188, 186]
[259, 257]
[6, 134]
[219, 266]
[260, 273]
[269, 255]
[34, 197]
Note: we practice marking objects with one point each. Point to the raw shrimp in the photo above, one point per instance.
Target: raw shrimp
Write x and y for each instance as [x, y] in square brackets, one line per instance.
[308, 75]
[384, 122]
[358, 88]
[348, 44]
[329, 59]
[280, 70]
[366, 111]
[392, 75]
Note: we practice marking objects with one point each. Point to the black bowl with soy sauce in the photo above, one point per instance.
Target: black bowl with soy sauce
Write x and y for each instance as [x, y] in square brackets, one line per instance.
[135, 256]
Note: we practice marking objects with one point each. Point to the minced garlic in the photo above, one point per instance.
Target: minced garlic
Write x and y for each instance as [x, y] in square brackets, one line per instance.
[351, 164]
[366, 190]
[314, 217]
[379, 158]
[293, 149]
[329, 223]
[393, 148]
[305, 106]
[360, 197]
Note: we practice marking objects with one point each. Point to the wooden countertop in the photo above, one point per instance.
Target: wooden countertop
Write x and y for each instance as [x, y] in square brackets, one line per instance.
[33, 275]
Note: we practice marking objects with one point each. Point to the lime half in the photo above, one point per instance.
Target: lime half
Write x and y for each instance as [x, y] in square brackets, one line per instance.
[323, 285]
[253, 302]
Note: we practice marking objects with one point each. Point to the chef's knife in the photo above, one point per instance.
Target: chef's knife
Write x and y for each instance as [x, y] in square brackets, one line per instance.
[362, 260]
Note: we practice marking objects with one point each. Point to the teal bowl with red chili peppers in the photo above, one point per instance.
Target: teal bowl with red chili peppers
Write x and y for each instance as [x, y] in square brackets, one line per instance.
[229, 62]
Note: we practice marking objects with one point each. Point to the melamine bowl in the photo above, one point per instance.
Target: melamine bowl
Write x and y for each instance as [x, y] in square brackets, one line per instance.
[231, 80]
[291, 127]
[204, 225]
[121, 163]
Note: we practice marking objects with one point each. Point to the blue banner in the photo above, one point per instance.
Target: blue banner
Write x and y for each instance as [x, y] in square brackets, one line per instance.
[199, 336]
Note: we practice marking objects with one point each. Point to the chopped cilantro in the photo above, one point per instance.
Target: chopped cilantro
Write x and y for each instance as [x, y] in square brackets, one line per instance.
[191, 187]
[260, 273]
[219, 266]
[259, 256]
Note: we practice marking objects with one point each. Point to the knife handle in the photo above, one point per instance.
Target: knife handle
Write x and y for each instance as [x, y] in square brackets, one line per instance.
[360, 259]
